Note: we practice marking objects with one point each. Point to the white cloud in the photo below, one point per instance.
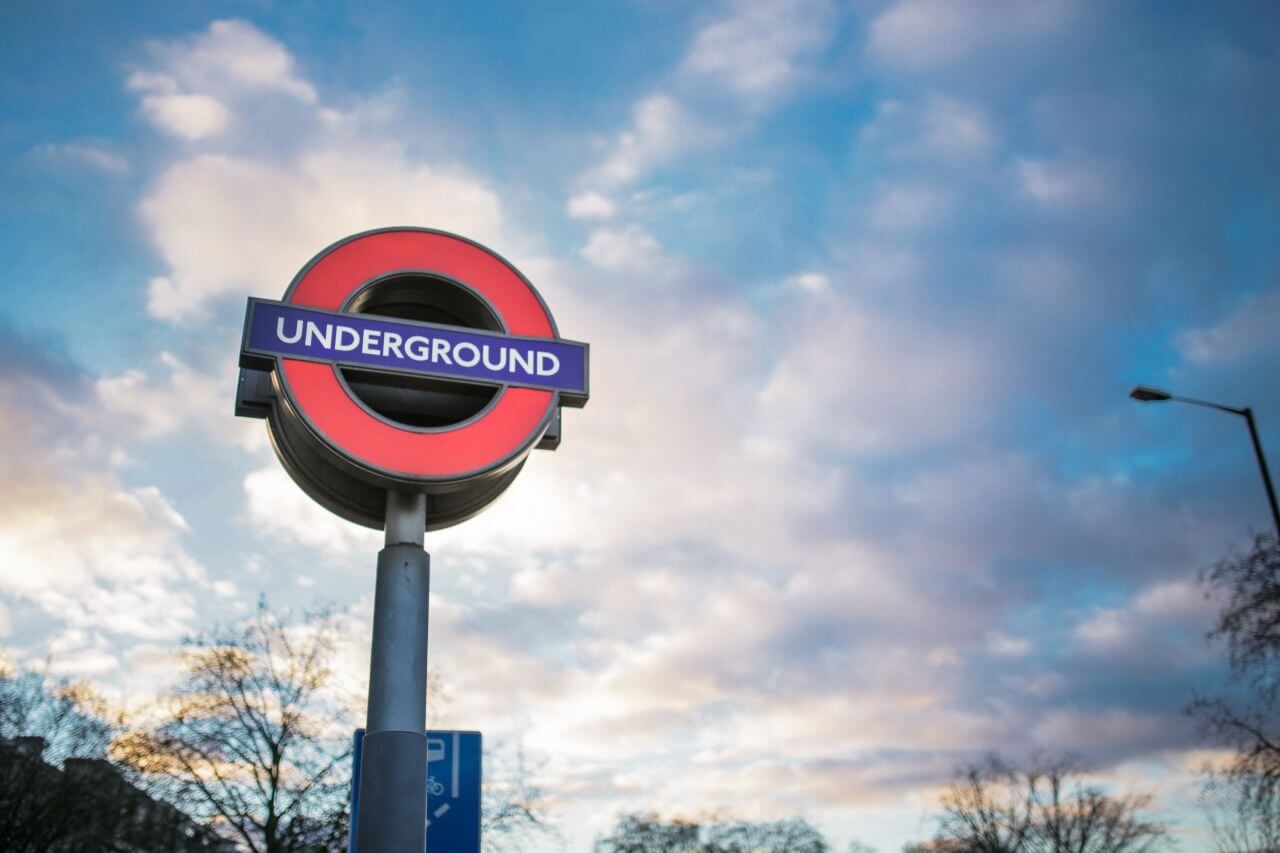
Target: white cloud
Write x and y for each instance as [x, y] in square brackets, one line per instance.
[154, 406]
[187, 116]
[77, 547]
[1147, 619]
[185, 89]
[1245, 331]
[623, 249]
[615, 495]
[244, 55]
[737, 63]
[863, 381]
[810, 282]
[953, 128]
[1006, 645]
[218, 246]
[937, 130]
[94, 555]
[907, 208]
[93, 156]
[1069, 185]
[761, 47]
[347, 176]
[591, 205]
[699, 633]
[276, 506]
[1176, 601]
[1100, 733]
[928, 34]
[662, 128]
[1105, 629]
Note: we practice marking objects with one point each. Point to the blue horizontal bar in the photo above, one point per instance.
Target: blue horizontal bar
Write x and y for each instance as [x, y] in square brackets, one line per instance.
[277, 329]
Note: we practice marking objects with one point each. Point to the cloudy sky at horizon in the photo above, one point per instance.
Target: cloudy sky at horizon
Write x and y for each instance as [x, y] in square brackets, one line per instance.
[858, 494]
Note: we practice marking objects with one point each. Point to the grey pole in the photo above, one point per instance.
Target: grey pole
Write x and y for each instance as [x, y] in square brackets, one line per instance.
[1262, 466]
[1148, 394]
[393, 770]
[1247, 414]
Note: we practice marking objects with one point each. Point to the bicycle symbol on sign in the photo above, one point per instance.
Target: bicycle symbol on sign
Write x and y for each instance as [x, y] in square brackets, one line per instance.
[435, 752]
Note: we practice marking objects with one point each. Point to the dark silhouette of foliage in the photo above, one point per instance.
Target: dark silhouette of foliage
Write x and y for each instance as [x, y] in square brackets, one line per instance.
[56, 791]
[38, 807]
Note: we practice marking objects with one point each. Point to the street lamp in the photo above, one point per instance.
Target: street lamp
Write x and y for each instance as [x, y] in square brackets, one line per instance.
[1147, 394]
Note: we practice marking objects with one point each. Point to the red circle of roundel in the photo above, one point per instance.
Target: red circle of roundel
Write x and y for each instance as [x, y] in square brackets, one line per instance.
[513, 422]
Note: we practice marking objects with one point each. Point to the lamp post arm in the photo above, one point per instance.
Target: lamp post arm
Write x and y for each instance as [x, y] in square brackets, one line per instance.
[1262, 465]
[1207, 404]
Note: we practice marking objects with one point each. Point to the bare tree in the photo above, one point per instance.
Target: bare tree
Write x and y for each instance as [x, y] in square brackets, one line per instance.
[68, 715]
[253, 741]
[1243, 815]
[648, 833]
[937, 845]
[1244, 796]
[793, 835]
[514, 809]
[1249, 623]
[995, 807]
[988, 808]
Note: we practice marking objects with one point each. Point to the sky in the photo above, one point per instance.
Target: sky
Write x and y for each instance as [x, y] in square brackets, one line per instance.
[858, 494]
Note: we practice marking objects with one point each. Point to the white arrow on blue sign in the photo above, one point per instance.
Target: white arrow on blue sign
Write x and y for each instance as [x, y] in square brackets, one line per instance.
[453, 791]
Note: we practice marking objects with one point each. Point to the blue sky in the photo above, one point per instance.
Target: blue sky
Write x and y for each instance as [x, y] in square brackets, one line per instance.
[859, 493]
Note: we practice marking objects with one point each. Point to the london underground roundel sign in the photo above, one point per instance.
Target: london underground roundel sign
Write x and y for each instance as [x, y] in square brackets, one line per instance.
[407, 359]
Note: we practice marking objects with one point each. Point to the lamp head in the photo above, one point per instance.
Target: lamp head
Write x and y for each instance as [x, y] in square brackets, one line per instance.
[1147, 394]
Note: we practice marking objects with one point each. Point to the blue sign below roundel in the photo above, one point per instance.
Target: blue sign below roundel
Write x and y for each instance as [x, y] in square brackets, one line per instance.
[453, 790]
[278, 329]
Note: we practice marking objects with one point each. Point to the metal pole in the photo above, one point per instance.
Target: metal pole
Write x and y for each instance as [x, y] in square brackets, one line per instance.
[1247, 413]
[393, 766]
[1262, 465]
